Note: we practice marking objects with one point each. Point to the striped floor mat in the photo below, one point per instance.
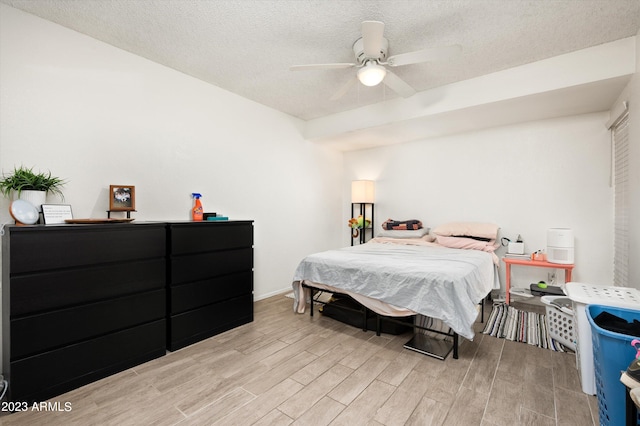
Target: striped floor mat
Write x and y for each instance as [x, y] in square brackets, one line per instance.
[512, 324]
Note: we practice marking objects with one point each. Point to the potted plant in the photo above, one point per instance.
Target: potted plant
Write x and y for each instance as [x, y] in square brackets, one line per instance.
[28, 185]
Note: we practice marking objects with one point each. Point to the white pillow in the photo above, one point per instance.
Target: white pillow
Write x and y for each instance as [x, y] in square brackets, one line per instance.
[409, 233]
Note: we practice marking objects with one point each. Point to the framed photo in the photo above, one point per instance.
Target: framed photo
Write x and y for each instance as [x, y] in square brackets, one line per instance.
[56, 213]
[122, 198]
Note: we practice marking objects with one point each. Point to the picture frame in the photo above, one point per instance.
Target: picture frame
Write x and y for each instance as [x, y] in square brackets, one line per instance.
[56, 213]
[122, 198]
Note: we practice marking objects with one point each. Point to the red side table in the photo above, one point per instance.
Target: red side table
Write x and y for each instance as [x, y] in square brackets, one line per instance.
[539, 263]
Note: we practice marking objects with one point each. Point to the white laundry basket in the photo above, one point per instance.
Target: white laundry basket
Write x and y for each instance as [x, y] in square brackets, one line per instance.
[581, 295]
[560, 321]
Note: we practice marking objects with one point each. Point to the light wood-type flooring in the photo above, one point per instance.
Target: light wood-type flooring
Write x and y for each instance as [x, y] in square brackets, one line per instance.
[286, 368]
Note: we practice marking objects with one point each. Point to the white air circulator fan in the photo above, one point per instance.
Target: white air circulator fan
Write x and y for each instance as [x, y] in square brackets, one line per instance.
[372, 62]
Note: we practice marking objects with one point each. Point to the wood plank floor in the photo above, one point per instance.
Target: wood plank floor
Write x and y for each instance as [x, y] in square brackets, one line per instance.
[286, 369]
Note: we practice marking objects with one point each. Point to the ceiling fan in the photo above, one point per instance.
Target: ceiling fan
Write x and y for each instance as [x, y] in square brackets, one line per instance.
[371, 60]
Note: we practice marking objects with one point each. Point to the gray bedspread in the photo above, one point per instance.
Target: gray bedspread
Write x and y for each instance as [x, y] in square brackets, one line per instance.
[430, 280]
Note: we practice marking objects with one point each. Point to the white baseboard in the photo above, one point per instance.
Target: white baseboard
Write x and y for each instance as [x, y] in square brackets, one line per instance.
[270, 294]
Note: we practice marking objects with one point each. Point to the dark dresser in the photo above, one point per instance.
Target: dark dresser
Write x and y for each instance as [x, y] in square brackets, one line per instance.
[210, 279]
[82, 302]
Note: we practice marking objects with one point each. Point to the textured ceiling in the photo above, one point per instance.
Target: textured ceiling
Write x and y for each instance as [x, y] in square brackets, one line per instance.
[247, 46]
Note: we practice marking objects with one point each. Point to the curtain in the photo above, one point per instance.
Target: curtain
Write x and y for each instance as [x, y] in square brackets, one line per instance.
[621, 201]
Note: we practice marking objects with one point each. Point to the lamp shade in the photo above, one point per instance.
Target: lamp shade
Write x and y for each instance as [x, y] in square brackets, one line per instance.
[371, 74]
[363, 191]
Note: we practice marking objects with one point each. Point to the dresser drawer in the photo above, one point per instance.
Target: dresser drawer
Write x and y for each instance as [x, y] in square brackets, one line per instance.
[193, 295]
[209, 236]
[192, 326]
[77, 246]
[46, 331]
[32, 293]
[197, 267]
[42, 376]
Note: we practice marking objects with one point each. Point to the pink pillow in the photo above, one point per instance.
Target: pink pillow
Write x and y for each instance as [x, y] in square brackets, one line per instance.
[468, 229]
[467, 243]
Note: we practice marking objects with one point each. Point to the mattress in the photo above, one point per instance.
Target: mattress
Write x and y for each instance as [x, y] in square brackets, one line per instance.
[426, 279]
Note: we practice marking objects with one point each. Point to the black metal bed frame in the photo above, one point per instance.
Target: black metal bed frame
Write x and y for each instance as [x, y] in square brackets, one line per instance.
[419, 342]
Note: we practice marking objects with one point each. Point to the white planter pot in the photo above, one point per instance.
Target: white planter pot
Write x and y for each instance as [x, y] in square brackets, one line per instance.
[37, 198]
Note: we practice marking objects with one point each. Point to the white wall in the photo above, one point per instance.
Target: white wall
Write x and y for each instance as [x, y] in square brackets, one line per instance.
[97, 115]
[526, 178]
[631, 95]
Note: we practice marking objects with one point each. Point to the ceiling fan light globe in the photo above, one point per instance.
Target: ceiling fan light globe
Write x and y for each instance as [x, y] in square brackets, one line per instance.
[371, 74]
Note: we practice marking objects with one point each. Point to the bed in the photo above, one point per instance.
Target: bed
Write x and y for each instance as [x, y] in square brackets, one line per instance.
[397, 277]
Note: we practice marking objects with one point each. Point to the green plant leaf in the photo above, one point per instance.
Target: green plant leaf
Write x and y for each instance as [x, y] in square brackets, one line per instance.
[25, 179]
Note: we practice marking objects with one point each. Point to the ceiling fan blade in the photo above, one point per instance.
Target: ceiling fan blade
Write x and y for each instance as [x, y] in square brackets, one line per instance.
[343, 89]
[320, 66]
[432, 54]
[398, 85]
[372, 38]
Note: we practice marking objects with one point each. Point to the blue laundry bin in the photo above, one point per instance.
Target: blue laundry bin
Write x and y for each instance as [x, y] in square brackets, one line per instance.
[612, 354]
